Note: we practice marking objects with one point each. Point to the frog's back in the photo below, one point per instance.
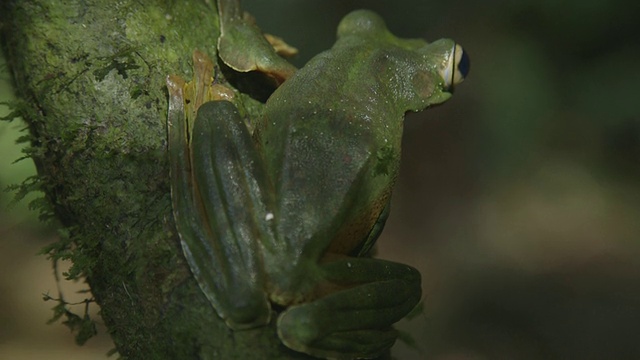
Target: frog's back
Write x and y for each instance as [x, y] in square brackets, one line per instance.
[332, 154]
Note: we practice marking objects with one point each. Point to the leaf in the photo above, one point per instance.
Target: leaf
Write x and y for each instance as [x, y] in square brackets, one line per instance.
[86, 330]
[58, 311]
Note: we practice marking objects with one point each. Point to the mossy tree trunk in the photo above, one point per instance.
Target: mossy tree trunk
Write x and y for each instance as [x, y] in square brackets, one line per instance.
[91, 76]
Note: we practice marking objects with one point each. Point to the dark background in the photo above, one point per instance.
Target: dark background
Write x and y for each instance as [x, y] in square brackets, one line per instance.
[518, 199]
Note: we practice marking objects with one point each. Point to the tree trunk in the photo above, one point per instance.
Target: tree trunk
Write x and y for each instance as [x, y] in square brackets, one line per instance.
[91, 76]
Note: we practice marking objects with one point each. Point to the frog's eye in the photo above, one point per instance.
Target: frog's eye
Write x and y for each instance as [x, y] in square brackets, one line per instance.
[456, 69]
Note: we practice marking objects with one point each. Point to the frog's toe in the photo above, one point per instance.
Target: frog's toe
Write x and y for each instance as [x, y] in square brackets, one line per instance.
[247, 312]
[298, 329]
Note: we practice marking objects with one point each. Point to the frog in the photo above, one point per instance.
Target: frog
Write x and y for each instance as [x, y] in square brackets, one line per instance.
[278, 215]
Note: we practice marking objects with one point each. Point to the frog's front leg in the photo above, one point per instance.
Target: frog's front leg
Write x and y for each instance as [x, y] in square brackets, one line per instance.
[220, 198]
[243, 47]
[354, 322]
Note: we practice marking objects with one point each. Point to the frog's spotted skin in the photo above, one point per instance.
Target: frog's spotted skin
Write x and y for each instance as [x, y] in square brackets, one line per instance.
[281, 215]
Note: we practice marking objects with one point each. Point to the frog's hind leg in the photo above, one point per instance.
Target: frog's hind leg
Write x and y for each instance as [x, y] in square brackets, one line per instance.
[216, 194]
[354, 322]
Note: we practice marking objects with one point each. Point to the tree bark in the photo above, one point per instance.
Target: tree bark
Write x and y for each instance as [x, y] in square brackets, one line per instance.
[91, 74]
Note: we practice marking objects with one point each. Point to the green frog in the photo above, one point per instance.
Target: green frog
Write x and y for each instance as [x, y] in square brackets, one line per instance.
[278, 215]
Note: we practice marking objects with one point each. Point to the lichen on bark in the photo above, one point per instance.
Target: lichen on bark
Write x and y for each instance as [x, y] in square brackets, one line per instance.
[91, 75]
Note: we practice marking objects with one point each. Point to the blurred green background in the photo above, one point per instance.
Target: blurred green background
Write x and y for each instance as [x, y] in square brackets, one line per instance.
[518, 199]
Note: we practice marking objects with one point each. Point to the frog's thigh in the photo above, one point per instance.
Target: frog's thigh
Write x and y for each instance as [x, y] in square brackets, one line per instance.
[354, 322]
[365, 248]
[228, 198]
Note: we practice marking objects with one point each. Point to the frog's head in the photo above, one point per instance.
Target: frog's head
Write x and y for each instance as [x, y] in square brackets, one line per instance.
[426, 73]
[442, 65]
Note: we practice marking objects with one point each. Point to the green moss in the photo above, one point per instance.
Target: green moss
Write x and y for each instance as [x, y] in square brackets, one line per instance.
[92, 78]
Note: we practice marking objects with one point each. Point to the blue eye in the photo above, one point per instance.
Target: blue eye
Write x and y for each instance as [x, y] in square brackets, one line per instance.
[457, 68]
[463, 63]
